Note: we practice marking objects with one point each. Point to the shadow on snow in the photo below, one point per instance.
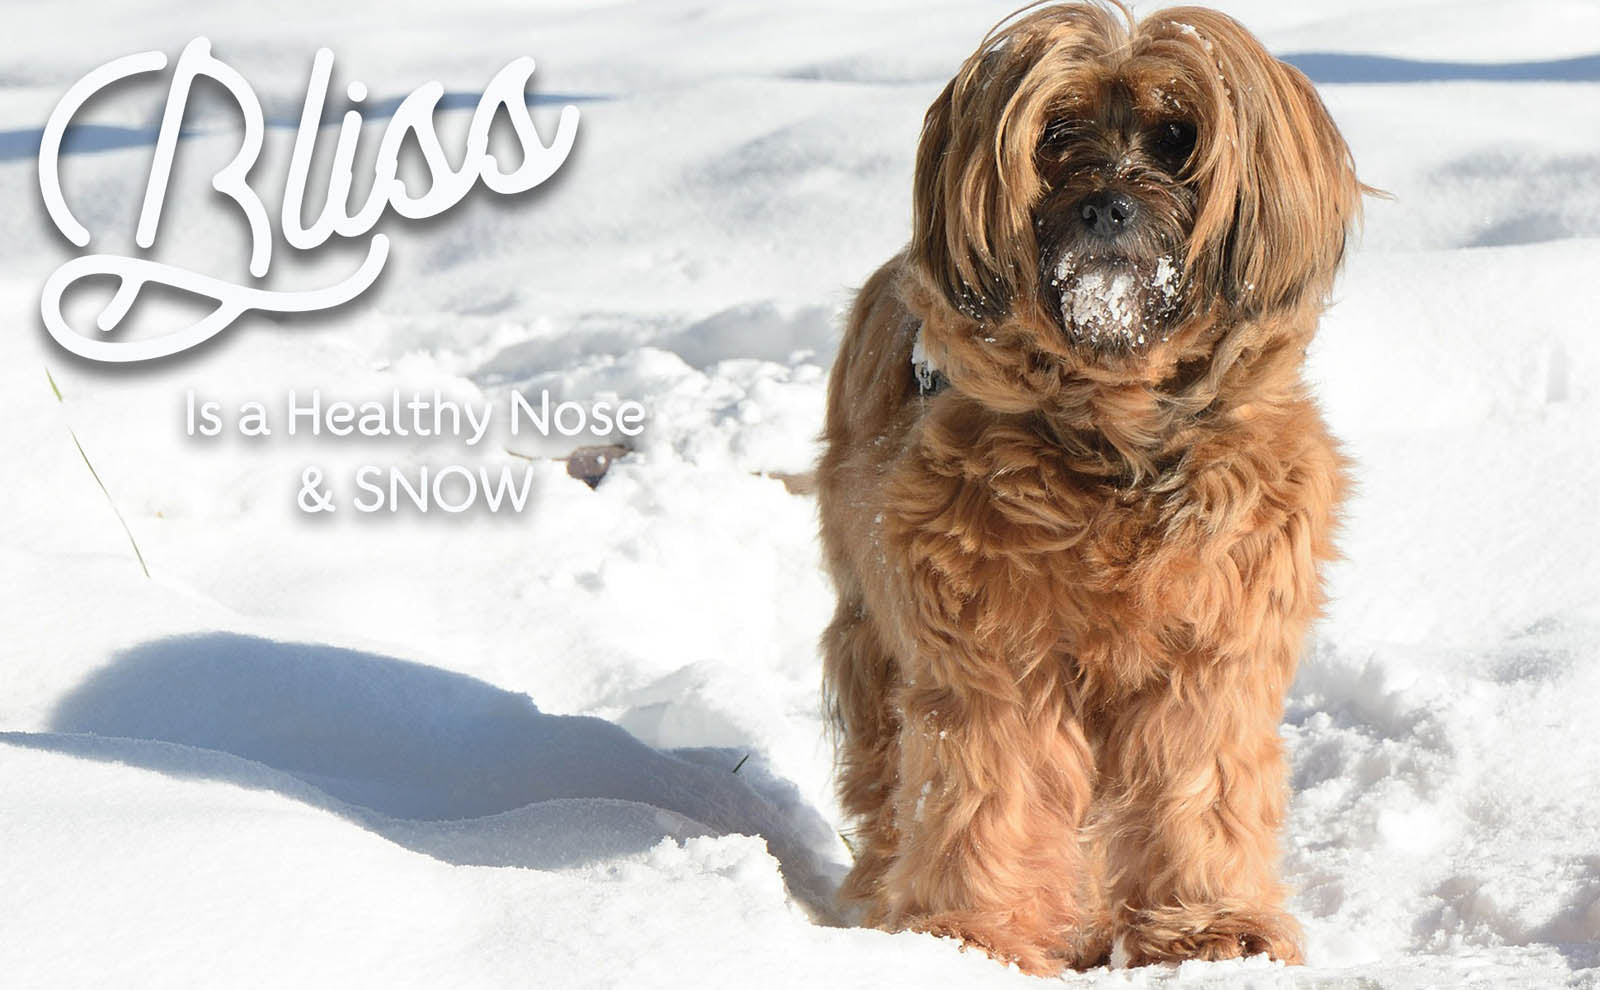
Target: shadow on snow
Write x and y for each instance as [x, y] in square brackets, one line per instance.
[438, 762]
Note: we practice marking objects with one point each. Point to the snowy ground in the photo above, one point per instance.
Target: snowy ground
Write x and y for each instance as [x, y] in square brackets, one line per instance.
[485, 749]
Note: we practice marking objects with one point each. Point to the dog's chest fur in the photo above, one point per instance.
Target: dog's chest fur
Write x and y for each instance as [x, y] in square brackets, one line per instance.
[1129, 575]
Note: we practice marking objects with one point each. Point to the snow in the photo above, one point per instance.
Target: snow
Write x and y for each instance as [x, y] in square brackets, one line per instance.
[487, 748]
[1098, 301]
[1105, 297]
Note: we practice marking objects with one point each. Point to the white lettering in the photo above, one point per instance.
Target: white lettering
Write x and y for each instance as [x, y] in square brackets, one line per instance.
[414, 118]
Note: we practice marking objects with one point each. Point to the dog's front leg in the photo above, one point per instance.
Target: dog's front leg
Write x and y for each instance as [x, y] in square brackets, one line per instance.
[995, 773]
[1193, 788]
[988, 804]
[1192, 780]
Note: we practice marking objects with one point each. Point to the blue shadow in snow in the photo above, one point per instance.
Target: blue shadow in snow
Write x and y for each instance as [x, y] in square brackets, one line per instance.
[81, 139]
[435, 761]
[1341, 67]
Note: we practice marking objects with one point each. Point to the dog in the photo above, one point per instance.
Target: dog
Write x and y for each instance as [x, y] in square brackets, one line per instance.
[1075, 496]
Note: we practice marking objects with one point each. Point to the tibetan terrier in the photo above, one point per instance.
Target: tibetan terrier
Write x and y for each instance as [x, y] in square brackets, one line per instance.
[1075, 495]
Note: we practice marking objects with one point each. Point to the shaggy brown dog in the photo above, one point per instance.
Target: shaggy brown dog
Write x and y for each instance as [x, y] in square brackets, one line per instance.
[1074, 581]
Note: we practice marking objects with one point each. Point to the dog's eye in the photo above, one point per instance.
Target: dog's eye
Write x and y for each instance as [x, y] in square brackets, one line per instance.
[1174, 141]
[1057, 133]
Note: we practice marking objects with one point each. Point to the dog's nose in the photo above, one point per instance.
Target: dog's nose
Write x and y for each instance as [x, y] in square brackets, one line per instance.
[1107, 213]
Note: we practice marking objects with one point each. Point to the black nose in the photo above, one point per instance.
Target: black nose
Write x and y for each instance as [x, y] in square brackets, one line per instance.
[1107, 214]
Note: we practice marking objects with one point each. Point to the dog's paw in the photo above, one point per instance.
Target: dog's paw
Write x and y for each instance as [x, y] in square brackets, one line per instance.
[1174, 936]
[1088, 948]
[1004, 939]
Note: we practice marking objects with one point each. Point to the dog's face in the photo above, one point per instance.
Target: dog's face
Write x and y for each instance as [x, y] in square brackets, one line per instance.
[1116, 215]
[1108, 194]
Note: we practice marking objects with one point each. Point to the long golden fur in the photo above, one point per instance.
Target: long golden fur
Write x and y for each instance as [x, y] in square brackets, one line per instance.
[1073, 584]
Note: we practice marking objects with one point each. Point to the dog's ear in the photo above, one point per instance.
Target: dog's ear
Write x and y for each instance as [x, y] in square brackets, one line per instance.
[1283, 193]
[974, 189]
[1298, 199]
